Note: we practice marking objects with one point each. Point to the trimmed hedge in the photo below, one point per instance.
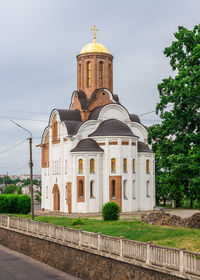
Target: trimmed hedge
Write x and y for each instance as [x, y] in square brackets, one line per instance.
[15, 203]
[110, 211]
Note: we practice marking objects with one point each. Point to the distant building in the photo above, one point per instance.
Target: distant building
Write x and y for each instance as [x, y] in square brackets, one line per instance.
[27, 190]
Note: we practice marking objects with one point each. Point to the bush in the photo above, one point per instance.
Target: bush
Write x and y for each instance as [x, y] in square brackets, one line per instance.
[77, 222]
[110, 211]
[15, 203]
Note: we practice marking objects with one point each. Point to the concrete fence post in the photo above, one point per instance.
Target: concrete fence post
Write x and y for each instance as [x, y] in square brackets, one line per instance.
[148, 252]
[80, 237]
[18, 223]
[181, 260]
[99, 241]
[63, 234]
[121, 246]
[1, 220]
[8, 221]
[38, 227]
[27, 226]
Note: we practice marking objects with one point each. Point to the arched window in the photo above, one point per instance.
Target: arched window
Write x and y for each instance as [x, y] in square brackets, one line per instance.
[113, 189]
[91, 189]
[133, 165]
[134, 190]
[54, 129]
[47, 191]
[89, 74]
[100, 74]
[147, 166]
[110, 76]
[79, 75]
[148, 189]
[80, 188]
[80, 166]
[66, 192]
[92, 165]
[125, 189]
[113, 165]
[125, 165]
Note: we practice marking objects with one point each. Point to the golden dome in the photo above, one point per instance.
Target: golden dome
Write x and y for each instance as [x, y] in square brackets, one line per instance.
[94, 47]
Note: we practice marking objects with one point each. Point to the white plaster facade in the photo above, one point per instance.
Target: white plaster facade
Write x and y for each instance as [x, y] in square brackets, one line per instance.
[137, 188]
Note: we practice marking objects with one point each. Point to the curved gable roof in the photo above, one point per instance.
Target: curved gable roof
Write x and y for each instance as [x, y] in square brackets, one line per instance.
[143, 148]
[113, 127]
[87, 145]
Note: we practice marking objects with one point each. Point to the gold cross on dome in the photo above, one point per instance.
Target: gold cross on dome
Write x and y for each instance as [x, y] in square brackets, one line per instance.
[94, 34]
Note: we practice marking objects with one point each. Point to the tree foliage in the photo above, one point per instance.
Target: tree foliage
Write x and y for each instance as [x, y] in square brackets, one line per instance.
[176, 141]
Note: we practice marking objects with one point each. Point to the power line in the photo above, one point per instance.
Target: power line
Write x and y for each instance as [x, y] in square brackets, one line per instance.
[11, 148]
[23, 119]
[26, 112]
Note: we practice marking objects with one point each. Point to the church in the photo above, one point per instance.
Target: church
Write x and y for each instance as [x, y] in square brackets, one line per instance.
[96, 151]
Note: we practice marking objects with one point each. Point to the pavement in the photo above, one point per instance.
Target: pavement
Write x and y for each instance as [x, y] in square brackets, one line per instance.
[16, 266]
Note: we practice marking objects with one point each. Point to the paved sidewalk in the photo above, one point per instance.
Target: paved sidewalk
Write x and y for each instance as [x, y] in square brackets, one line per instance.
[16, 266]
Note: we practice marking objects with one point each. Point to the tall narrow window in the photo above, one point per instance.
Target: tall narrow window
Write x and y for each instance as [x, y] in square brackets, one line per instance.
[47, 192]
[133, 165]
[65, 166]
[92, 166]
[66, 192]
[113, 189]
[110, 76]
[91, 189]
[134, 190]
[148, 189]
[80, 189]
[89, 74]
[125, 189]
[147, 166]
[80, 166]
[125, 165]
[79, 75]
[113, 165]
[54, 129]
[100, 74]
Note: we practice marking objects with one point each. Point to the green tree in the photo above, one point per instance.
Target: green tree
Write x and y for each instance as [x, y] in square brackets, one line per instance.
[176, 140]
[10, 189]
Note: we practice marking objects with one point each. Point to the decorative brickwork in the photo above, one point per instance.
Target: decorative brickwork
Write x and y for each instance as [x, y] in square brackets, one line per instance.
[69, 196]
[100, 76]
[117, 195]
[80, 188]
[56, 197]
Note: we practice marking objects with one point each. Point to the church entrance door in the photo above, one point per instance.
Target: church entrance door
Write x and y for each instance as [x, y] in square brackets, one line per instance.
[56, 197]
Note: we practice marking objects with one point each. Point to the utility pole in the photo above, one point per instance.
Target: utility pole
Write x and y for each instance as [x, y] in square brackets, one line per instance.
[31, 167]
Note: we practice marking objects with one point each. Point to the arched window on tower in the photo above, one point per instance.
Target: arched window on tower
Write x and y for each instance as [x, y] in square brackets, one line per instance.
[148, 189]
[80, 166]
[79, 75]
[113, 165]
[89, 74]
[80, 188]
[100, 74]
[125, 165]
[113, 193]
[110, 76]
[92, 165]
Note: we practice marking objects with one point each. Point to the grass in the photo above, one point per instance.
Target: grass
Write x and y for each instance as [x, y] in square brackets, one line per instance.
[135, 230]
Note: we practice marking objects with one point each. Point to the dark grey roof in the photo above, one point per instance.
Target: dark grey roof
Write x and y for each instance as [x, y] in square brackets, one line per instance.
[112, 127]
[142, 147]
[87, 145]
[95, 113]
[72, 126]
[134, 118]
[69, 115]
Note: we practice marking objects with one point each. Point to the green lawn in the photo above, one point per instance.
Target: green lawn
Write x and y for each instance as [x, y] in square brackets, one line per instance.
[135, 230]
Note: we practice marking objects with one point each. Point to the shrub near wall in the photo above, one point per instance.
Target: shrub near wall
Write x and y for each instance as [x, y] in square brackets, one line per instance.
[15, 203]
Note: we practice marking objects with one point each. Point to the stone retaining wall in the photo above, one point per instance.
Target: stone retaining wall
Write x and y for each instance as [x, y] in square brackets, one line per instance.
[77, 262]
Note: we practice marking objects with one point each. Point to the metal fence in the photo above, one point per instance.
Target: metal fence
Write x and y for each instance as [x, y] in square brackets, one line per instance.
[176, 259]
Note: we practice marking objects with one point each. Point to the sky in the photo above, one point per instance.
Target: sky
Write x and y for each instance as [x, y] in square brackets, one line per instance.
[39, 41]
